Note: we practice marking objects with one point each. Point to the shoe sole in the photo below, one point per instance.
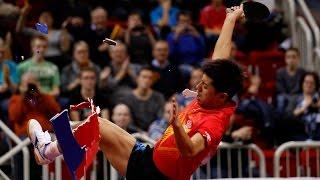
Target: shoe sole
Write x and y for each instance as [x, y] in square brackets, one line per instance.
[35, 151]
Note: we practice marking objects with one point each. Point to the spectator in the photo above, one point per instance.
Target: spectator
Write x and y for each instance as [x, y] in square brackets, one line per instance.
[164, 17]
[8, 79]
[166, 74]
[187, 46]
[256, 116]
[121, 116]
[146, 104]
[120, 77]
[303, 111]
[158, 127]
[88, 84]
[70, 74]
[58, 39]
[99, 18]
[212, 17]
[47, 73]
[93, 34]
[288, 78]
[30, 103]
[139, 39]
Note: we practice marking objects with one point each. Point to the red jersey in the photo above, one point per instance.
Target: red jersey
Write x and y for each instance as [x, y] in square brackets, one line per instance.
[213, 18]
[211, 124]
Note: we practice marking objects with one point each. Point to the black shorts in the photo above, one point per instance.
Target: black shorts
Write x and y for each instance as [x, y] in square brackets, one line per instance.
[141, 165]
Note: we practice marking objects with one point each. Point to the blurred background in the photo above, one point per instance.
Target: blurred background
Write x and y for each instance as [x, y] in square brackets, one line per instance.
[162, 44]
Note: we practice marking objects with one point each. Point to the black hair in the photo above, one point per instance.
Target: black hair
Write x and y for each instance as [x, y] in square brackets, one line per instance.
[135, 12]
[226, 76]
[315, 78]
[145, 68]
[184, 13]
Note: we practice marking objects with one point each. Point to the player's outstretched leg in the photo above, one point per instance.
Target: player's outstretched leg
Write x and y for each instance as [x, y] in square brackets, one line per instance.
[115, 143]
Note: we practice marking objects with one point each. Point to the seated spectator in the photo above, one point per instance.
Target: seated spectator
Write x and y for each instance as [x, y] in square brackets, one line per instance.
[303, 111]
[166, 74]
[58, 39]
[288, 78]
[8, 79]
[212, 17]
[88, 84]
[164, 17]
[146, 104]
[187, 46]
[31, 103]
[139, 39]
[99, 19]
[70, 74]
[121, 116]
[28, 104]
[93, 34]
[195, 79]
[120, 77]
[255, 113]
[47, 73]
[158, 127]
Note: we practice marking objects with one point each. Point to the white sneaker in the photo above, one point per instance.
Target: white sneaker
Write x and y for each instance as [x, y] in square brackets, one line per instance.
[40, 141]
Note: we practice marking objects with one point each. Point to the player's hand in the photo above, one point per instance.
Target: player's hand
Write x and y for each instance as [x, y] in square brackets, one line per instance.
[235, 12]
[174, 114]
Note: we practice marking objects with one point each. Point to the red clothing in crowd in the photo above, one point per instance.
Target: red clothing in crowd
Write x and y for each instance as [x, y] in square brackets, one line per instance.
[21, 110]
[212, 17]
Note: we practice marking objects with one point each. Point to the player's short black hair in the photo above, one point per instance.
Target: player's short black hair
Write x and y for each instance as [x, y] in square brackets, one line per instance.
[226, 76]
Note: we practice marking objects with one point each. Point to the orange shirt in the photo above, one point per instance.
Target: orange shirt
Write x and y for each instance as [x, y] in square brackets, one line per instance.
[21, 111]
[211, 124]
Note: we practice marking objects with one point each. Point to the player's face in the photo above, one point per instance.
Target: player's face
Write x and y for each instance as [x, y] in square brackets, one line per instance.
[208, 96]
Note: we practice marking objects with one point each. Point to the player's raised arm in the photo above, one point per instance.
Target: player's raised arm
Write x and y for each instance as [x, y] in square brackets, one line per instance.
[223, 46]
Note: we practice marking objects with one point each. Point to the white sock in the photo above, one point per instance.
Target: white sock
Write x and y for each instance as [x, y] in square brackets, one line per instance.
[52, 151]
